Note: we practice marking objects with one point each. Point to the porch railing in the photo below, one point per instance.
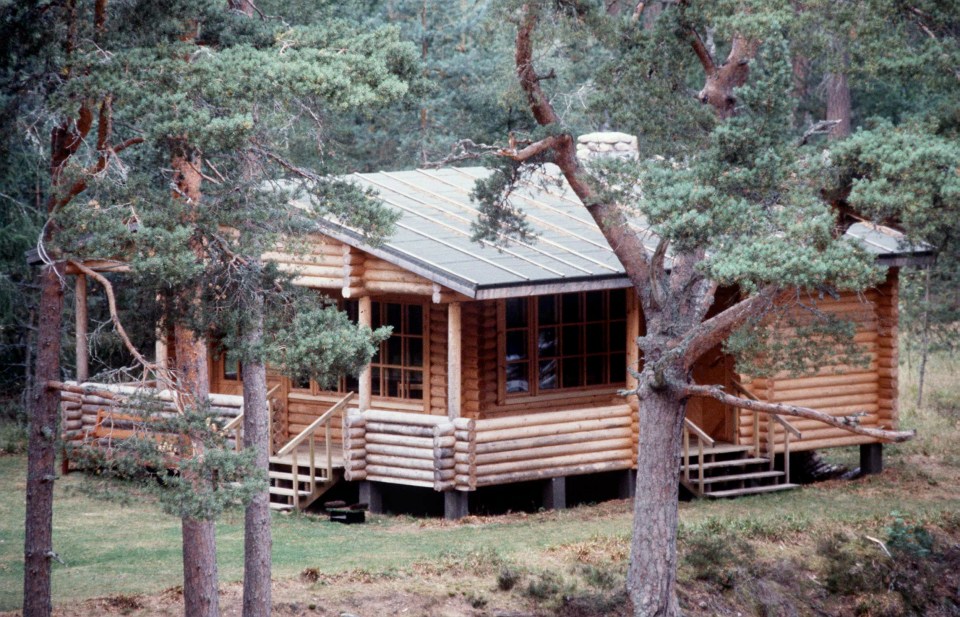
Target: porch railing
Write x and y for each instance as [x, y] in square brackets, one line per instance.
[772, 420]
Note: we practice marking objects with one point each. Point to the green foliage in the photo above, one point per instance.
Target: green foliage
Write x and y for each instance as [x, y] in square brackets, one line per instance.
[913, 540]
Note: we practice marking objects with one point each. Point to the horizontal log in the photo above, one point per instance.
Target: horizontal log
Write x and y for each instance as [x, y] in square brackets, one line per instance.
[556, 461]
[401, 440]
[546, 452]
[331, 271]
[445, 485]
[464, 424]
[413, 419]
[375, 272]
[398, 429]
[510, 445]
[319, 282]
[400, 473]
[408, 463]
[387, 287]
[401, 451]
[464, 483]
[555, 417]
[824, 381]
[816, 393]
[552, 429]
[556, 472]
[829, 401]
[467, 458]
[72, 425]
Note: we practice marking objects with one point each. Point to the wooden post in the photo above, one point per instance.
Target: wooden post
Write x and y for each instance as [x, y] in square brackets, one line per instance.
[555, 494]
[371, 495]
[871, 458]
[83, 363]
[456, 505]
[454, 360]
[365, 318]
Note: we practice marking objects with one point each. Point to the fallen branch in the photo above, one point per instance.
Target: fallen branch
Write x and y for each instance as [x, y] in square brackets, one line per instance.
[849, 423]
[820, 128]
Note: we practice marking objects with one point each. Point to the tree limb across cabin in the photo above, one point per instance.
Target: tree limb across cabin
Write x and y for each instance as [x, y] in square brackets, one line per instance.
[850, 422]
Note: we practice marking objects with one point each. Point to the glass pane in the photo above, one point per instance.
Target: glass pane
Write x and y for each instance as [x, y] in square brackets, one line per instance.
[376, 387]
[395, 350]
[517, 345]
[618, 368]
[572, 372]
[596, 338]
[394, 316]
[547, 313]
[547, 341]
[414, 384]
[571, 308]
[618, 336]
[596, 366]
[351, 384]
[594, 302]
[618, 303]
[414, 351]
[352, 309]
[414, 323]
[516, 309]
[393, 376]
[571, 340]
[231, 368]
[300, 382]
[375, 320]
[517, 377]
[548, 375]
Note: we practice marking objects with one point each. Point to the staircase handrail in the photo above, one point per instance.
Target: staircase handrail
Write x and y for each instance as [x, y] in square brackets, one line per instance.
[789, 429]
[691, 426]
[316, 424]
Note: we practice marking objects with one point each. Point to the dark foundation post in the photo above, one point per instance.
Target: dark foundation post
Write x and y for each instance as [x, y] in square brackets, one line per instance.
[555, 494]
[371, 495]
[871, 458]
[627, 488]
[456, 505]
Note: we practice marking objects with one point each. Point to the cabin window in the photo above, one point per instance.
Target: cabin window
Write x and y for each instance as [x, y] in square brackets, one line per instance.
[398, 366]
[564, 341]
[231, 367]
[345, 383]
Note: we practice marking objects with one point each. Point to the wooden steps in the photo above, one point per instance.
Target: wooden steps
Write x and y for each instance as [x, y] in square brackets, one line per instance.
[296, 491]
[729, 470]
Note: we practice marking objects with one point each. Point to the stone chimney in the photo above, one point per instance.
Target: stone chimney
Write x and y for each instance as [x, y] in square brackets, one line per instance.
[593, 146]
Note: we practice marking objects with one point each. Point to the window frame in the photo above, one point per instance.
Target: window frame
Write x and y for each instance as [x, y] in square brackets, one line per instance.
[533, 357]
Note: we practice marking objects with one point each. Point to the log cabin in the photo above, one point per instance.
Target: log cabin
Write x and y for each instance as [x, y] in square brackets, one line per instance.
[506, 364]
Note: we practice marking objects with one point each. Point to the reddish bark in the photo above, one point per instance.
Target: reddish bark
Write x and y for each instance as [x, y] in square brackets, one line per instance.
[257, 541]
[41, 454]
[199, 544]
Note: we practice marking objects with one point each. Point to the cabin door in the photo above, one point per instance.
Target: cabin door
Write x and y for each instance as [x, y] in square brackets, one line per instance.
[715, 418]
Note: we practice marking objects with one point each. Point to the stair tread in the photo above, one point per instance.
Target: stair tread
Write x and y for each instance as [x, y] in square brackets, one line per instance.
[287, 492]
[730, 463]
[281, 506]
[717, 448]
[753, 490]
[754, 475]
[301, 477]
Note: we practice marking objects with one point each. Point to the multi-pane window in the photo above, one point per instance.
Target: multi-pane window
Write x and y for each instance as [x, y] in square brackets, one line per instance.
[565, 341]
[397, 367]
[346, 383]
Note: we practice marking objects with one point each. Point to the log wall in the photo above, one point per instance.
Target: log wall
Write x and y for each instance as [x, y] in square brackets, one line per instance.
[80, 407]
[840, 390]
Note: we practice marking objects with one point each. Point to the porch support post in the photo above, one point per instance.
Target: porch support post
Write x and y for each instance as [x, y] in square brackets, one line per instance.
[454, 360]
[871, 458]
[371, 495]
[83, 363]
[455, 505]
[627, 488]
[365, 318]
[555, 494]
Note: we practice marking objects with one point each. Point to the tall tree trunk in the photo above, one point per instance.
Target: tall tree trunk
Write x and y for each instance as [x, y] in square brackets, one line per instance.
[838, 99]
[257, 542]
[200, 589]
[924, 338]
[200, 586]
[41, 453]
[653, 549]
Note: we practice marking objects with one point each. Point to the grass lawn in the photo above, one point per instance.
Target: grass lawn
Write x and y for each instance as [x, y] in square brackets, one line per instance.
[110, 549]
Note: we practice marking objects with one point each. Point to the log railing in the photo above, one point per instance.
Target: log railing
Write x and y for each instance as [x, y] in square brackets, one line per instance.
[309, 436]
[702, 440]
[236, 425]
[462, 454]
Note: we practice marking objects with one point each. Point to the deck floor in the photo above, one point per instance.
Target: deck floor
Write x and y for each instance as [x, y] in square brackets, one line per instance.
[320, 456]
